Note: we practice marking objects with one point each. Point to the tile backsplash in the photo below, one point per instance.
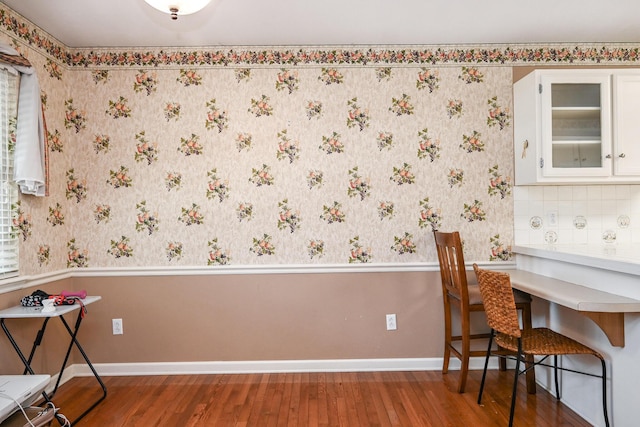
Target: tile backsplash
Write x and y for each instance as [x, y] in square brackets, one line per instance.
[589, 214]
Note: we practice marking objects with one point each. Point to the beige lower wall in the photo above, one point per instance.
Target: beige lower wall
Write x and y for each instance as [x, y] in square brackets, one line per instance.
[264, 317]
[319, 316]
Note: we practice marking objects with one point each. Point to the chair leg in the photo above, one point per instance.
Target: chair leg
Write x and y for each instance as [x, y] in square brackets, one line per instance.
[447, 335]
[529, 360]
[502, 364]
[515, 384]
[604, 393]
[486, 364]
[447, 355]
[466, 350]
[464, 368]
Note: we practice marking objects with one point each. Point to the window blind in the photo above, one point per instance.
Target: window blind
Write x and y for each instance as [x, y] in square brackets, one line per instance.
[9, 233]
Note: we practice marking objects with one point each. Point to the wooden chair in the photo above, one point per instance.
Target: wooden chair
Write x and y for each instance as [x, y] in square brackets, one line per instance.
[460, 289]
[502, 317]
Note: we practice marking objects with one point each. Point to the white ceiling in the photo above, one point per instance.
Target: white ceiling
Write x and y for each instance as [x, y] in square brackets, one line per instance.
[133, 23]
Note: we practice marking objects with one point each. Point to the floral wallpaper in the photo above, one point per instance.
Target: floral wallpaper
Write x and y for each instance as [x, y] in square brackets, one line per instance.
[249, 166]
[258, 157]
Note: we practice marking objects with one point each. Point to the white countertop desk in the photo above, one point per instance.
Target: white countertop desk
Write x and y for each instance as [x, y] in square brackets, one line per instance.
[604, 308]
[620, 258]
[20, 312]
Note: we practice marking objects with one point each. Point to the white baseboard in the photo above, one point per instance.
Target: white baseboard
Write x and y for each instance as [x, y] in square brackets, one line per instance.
[70, 372]
[269, 366]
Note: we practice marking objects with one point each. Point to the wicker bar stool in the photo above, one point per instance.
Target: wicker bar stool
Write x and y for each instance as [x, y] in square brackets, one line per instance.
[459, 289]
[502, 317]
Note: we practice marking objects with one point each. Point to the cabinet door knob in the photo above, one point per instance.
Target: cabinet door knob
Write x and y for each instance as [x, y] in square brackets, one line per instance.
[622, 155]
[608, 156]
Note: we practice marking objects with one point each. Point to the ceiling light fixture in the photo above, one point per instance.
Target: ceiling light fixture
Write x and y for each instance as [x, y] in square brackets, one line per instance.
[178, 7]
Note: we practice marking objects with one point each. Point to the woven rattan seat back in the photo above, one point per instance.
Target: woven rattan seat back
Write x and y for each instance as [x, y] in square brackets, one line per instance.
[498, 300]
[502, 317]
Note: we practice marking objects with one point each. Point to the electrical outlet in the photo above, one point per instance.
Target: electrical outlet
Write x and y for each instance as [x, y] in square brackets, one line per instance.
[117, 326]
[391, 322]
[552, 218]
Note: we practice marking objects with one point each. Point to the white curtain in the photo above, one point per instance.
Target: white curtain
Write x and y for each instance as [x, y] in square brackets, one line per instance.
[29, 156]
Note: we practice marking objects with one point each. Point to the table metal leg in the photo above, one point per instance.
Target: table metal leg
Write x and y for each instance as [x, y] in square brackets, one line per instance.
[37, 342]
[27, 363]
[74, 341]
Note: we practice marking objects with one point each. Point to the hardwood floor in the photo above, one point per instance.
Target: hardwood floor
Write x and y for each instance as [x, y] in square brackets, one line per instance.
[421, 398]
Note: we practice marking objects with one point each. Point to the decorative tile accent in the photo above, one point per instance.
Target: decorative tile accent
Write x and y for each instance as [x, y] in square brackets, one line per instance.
[535, 222]
[580, 222]
[624, 221]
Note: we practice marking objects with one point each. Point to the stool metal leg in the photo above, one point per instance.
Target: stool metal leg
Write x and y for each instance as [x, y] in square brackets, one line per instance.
[486, 364]
[555, 376]
[604, 392]
[515, 383]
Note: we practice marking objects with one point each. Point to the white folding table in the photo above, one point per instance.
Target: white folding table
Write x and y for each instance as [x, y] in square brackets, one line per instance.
[19, 390]
[21, 312]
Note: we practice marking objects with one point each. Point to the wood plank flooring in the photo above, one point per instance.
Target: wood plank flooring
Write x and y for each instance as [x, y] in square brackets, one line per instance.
[421, 398]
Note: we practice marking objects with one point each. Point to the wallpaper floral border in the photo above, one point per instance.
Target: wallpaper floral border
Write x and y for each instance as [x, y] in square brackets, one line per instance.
[14, 24]
[273, 156]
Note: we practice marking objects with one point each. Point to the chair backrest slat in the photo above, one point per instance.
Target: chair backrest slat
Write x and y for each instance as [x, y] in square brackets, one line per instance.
[452, 268]
[499, 303]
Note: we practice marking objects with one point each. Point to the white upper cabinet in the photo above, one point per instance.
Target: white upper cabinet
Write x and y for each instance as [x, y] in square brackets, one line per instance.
[577, 126]
[626, 124]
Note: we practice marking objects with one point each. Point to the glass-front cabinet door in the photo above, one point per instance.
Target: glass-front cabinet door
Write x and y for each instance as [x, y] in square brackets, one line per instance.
[576, 125]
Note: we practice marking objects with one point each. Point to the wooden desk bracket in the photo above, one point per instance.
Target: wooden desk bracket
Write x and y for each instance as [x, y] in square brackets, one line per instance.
[612, 324]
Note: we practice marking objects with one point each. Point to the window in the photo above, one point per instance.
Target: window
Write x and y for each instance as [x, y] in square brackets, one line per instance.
[9, 226]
